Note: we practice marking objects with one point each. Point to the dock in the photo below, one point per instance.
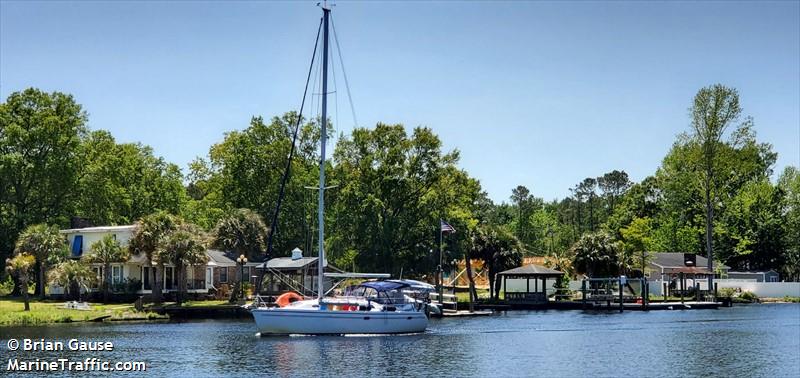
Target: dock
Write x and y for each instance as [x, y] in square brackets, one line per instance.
[465, 313]
[203, 312]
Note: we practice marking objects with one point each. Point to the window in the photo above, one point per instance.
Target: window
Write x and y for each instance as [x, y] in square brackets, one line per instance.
[98, 272]
[146, 278]
[116, 274]
[773, 279]
[169, 278]
[223, 275]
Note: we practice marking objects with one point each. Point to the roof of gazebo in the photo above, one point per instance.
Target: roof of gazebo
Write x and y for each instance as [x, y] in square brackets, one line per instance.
[531, 270]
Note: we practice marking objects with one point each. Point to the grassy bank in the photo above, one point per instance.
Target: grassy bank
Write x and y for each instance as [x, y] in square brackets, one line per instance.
[45, 312]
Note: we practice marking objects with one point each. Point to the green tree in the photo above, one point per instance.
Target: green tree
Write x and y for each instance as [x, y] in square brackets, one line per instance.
[21, 265]
[613, 185]
[46, 245]
[789, 184]
[243, 232]
[750, 232]
[596, 255]
[521, 198]
[714, 109]
[146, 239]
[106, 252]
[393, 189]
[499, 250]
[638, 241]
[72, 275]
[244, 171]
[124, 182]
[40, 164]
[182, 247]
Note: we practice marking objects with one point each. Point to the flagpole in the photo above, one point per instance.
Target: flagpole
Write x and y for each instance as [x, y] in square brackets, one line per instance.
[440, 273]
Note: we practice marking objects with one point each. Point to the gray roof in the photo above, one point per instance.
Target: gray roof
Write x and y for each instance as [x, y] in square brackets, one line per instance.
[219, 258]
[531, 270]
[288, 263]
[675, 260]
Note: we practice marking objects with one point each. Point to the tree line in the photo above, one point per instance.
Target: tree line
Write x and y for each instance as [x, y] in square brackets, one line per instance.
[392, 185]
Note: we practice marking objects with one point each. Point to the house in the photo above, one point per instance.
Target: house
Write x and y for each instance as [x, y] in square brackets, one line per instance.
[222, 269]
[768, 276]
[681, 271]
[133, 276]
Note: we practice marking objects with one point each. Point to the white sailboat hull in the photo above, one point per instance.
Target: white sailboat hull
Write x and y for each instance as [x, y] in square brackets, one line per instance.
[283, 321]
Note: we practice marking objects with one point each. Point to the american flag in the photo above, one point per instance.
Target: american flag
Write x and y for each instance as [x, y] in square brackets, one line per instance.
[446, 227]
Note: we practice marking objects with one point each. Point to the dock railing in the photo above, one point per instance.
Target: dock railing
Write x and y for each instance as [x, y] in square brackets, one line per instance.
[612, 290]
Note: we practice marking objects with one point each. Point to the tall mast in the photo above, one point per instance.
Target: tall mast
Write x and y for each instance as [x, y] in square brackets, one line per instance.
[320, 211]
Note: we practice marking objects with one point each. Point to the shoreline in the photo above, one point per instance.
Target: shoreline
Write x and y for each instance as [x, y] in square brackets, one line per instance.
[51, 313]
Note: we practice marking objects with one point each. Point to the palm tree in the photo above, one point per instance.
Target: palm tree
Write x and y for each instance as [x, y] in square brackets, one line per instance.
[72, 272]
[146, 237]
[596, 255]
[105, 252]
[561, 261]
[182, 247]
[46, 245]
[499, 250]
[244, 233]
[21, 265]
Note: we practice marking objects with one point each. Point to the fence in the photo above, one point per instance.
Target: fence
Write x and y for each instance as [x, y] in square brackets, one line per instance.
[763, 289]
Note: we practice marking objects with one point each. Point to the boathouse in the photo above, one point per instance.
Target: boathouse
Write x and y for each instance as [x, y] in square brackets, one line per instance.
[527, 285]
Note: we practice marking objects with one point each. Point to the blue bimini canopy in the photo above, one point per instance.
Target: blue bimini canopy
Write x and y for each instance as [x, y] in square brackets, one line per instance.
[384, 285]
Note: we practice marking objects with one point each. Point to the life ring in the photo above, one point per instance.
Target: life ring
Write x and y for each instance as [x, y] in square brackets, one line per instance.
[286, 298]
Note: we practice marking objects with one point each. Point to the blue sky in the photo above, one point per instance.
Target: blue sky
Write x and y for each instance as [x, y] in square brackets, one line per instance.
[541, 94]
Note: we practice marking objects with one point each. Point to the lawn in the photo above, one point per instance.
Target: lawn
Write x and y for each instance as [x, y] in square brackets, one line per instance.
[43, 312]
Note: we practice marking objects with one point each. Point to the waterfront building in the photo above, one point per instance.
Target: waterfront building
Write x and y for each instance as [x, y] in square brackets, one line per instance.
[767, 276]
[134, 276]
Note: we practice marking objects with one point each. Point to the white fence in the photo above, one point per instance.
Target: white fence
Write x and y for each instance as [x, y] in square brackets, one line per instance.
[764, 289]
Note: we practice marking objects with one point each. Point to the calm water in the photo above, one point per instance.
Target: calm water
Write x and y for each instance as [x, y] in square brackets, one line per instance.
[757, 340]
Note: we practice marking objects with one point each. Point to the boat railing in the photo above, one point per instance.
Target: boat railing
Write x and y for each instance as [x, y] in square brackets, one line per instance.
[262, 302]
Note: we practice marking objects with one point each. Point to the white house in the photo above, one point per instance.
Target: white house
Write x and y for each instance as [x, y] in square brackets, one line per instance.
[133, 276]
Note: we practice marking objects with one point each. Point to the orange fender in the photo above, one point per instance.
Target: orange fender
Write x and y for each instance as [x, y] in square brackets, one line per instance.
[289, 297]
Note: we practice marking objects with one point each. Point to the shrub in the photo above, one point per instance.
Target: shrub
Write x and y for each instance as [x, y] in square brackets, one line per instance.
[749, 296]
[127, 286]
[727, 292]
[64, 319]
[6, 286]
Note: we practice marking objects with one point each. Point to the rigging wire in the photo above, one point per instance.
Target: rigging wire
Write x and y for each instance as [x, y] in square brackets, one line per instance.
[286, 172]
[344, 73]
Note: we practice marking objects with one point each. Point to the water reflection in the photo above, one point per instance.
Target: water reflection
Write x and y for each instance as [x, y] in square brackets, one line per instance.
[761, 340]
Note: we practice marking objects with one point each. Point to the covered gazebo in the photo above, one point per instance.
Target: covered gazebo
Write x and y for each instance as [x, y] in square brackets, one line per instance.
[536, 292]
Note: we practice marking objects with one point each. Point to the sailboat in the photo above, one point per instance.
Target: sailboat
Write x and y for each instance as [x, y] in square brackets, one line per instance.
[374, 307]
